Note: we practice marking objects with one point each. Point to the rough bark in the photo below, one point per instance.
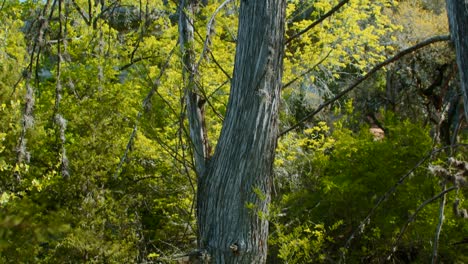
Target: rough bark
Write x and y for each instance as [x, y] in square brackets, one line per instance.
[457, 11]
[234, 193]
[195, 102]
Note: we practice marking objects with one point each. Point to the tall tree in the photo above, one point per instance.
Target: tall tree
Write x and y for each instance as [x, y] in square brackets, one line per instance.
[234, 184]
[457, 11]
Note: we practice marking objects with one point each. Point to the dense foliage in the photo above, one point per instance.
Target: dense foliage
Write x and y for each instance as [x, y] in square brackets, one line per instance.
[96, 162]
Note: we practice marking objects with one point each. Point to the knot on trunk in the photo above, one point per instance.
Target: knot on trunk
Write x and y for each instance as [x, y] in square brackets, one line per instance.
[234, 248]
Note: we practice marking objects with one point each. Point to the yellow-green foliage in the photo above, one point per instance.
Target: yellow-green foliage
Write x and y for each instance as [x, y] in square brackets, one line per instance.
[129, 193]
[343, 46]
[305, 243]
[326, 191]
[97, 216]
[416, 24]
[350, 38]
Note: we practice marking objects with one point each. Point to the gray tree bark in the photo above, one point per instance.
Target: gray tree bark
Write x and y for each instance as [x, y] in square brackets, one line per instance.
[195, 102]
[234, 190]
[457, 11]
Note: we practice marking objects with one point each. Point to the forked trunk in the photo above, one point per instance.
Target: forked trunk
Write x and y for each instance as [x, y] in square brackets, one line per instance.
[234, 192]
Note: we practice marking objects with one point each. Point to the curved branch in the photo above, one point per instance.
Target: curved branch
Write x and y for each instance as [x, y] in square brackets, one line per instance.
[366, 76]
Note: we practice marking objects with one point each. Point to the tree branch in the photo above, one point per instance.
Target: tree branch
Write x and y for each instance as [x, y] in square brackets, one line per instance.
[439, 226]
[209, 31]
[82, 13]
[366, 76]
[413, 217]
[133, 61]
[3, 4]
[195, 103]
[307, 71]
[318, 21]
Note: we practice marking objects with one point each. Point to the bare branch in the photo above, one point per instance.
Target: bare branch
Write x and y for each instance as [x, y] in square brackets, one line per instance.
[318, 21]
[219, 66]
[366, 76]
[209, 32]
[87, 19]
[439, 226]
[307, 71]
[413, 217]
[195, 103]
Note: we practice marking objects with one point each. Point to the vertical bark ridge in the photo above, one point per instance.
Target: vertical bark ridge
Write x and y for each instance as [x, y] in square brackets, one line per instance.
[195, 103]
[457, 11]
[234, 194]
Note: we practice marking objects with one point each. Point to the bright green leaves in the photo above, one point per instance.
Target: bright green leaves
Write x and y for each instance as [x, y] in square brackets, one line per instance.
[306, 243]
[352, 38]
[130, 195]
[316, 138]
[105, 76]
[292, 148]
[13, 54]
[320, 187]
[322, 61]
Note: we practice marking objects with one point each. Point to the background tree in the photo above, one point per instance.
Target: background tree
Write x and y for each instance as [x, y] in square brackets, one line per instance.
[458, 19]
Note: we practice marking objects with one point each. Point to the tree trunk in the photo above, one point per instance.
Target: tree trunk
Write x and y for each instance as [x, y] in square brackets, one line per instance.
[234, 191]
[457, 11]
[195, 103]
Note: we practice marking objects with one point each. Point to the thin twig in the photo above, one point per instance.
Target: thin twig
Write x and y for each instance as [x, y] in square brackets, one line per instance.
[209, 31]
[439, 226]
[413, 217]
[133, 61]
[307, 71]
[318, 21]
